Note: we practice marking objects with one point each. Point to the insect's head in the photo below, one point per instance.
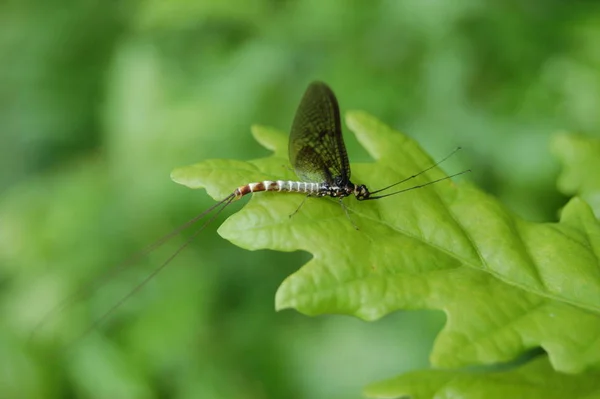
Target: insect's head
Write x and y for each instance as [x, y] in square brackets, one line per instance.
[361, 192]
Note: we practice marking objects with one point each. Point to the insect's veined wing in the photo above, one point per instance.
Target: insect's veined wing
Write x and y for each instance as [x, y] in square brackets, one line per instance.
[316, 147]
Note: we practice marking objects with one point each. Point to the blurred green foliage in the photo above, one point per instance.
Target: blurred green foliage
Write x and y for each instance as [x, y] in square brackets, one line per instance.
[101, 100]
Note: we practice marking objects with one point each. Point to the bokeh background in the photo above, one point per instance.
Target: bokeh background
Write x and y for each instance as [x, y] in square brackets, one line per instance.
[99, 101]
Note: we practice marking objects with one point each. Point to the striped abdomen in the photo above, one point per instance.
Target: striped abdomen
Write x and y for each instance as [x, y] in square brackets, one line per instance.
[281, 186]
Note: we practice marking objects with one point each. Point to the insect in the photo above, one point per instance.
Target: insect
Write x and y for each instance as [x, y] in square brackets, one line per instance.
[319, 158]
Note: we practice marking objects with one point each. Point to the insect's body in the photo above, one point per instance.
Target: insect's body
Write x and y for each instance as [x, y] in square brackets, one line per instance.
[308, 188]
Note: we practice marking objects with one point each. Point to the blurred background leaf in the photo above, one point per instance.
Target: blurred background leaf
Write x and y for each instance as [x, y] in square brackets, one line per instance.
[100, 101]
[580, 158]
[535, 379]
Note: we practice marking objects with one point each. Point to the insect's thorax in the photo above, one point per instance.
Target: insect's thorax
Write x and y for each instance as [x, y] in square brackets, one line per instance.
[345, 190]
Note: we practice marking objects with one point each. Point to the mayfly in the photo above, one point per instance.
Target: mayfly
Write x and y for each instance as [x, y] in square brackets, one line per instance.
[319, 158]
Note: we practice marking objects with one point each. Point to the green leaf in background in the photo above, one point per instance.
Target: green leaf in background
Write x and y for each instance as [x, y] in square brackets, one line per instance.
[535, 379]
[506, 285]
[580, 157]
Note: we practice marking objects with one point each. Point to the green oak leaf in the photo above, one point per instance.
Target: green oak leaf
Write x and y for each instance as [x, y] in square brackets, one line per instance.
[506, 285]
[580, 157]
[533, 380]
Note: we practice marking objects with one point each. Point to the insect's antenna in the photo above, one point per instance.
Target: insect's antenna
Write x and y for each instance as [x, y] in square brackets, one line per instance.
[87, 289]
[418, 186]
[418, 174]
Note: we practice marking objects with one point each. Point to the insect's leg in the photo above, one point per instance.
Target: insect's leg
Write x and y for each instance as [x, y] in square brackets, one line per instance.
[347, 214]
[299, 206]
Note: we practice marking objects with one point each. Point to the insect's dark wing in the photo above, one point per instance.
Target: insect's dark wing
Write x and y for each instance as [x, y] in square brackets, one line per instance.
[316, 147]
